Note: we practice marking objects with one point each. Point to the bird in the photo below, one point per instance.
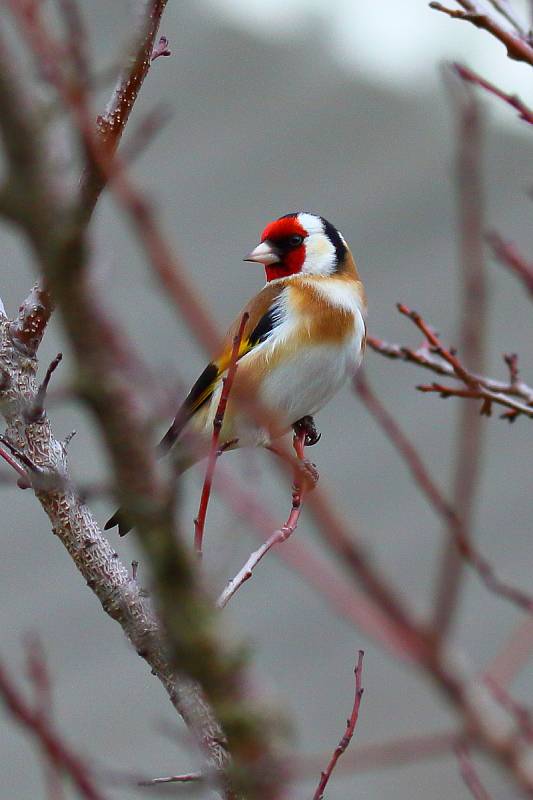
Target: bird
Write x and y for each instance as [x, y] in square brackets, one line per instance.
[304, 334]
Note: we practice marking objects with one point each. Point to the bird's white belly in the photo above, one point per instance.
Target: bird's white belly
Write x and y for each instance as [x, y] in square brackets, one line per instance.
[304, 383]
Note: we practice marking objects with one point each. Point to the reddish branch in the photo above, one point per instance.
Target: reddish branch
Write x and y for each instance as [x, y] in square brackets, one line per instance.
[518, 48]
[36, 310]
[512, 100]
[458, 532]
[434, 356]
[55, 748]
[36, 412]
[348, 734]
[469, 773]
[275, 538]
[227, 383]
[509, 255]
[472, 335]
[521, 713]
[111, 124]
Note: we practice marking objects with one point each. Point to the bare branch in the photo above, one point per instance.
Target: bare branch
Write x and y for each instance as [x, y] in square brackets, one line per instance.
[512, 100]
[458, 533]
[111, 124]
[348, 734]
[55, 748]
[467, 463]
[518, 48]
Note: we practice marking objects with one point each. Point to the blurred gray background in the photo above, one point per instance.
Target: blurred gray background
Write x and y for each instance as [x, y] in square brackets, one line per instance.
[338, 108]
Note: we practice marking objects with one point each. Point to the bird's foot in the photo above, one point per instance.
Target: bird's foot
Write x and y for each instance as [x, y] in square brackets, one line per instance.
[307, 426]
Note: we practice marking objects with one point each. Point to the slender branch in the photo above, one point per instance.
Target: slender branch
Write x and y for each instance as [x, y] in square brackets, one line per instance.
[39, 677]
[509, 255]
[522, 714]
[473, 324]
[279, 536]
[436, 357]
[512, 100]
[469, 773]
[504, 7]
[37, 309]
[348, 734]
[517, 48]
[199, 522]
[111, 124]
[8, 458]
[55, 748]
[458, 532]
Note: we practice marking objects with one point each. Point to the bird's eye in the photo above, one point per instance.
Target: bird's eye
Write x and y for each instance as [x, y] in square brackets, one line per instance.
[295, 240]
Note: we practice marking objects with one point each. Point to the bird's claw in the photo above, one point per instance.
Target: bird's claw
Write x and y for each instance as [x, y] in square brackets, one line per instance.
[307, 425]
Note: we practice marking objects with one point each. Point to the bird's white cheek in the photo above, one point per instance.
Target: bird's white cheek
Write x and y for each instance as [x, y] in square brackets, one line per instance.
[319, 256]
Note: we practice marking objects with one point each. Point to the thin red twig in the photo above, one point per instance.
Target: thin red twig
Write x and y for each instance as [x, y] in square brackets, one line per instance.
[227, 383]
[275, 538]
[56, 750]
[509, 255]
[512, 100]
[39, 677]
[489, 390]
[348, 734]
[13, 463]
[469, 773]
[37, 309]
[517, 47]
[446, 510]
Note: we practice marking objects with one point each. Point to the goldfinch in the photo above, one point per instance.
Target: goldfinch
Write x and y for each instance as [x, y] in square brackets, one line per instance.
[304, 336]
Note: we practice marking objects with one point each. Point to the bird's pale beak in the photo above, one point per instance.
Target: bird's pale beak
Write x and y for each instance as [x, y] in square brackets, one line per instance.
[264, 253]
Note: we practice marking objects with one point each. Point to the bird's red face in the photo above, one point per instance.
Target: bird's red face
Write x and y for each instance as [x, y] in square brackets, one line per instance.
[299, 243]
